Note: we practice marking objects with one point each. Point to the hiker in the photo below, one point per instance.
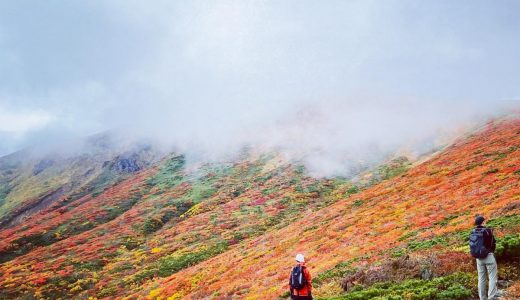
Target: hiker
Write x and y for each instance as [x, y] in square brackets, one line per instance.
[300, 281]
[482, 245]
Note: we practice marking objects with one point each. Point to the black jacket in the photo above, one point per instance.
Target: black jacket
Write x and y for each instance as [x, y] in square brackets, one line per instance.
[489, 238]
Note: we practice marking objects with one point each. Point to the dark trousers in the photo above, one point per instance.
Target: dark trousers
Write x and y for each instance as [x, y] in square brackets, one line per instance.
[294, 297]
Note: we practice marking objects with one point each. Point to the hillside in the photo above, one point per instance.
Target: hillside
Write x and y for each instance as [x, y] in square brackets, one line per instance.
[427, 210]
[30, 181]
[173, 230]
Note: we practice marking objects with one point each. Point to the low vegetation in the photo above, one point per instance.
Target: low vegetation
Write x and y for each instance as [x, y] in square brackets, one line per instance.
[230, 231]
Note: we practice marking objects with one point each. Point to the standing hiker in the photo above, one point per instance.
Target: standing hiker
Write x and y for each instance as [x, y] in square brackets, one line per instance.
[300, 281]
[482, 245]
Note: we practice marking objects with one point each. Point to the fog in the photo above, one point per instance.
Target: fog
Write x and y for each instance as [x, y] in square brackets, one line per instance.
[334, 83]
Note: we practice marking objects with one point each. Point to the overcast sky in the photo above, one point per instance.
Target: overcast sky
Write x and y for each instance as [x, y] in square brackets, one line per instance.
[215, 75]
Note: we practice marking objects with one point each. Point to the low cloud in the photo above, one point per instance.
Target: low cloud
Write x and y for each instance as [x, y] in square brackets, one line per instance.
[18, 123]
[334, 83]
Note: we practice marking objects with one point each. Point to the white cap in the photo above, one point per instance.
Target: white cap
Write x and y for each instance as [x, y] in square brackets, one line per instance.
[300, 258]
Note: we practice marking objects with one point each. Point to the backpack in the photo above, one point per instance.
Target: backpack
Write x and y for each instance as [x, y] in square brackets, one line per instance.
[298, 280]
[476, 243]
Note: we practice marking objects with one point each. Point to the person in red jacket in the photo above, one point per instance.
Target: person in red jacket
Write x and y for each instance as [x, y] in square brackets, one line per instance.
[300, 282]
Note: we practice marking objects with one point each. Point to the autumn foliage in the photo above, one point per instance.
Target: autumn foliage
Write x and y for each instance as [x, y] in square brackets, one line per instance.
[222, 231]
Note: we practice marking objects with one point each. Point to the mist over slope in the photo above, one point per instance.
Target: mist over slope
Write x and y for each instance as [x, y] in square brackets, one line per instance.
[426, 212]
[338, 82]
[34, 178]
[152, 226]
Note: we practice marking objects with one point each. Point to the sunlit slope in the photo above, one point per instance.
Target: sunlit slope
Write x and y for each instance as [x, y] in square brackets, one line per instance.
[429, 207]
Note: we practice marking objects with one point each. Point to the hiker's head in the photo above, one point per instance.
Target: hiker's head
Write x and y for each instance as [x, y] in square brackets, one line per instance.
[300, 259]
[479, 220]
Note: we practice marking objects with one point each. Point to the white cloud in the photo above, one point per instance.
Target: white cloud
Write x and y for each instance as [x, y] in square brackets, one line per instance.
[19, 122]
[333, 79]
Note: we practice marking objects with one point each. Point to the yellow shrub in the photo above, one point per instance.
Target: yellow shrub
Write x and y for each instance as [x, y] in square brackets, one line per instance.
[154, 294]
[156, 250]
[175, 296]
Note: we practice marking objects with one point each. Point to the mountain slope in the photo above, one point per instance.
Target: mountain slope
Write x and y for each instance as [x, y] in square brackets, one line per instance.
[31, 181]
[120, 234]
[435, 201]
[231, 230]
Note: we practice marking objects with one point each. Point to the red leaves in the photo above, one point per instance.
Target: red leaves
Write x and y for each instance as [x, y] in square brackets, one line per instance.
[41, 280]
[38, 266]
[259, 201]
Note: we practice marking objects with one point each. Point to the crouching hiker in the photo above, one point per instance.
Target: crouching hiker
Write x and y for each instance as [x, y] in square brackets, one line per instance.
[300, 280]
[482, 245]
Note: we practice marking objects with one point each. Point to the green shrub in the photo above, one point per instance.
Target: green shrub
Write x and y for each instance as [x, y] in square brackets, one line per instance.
[106, 178]
[491, 171]
[407, 236]
[508, 246]
[25, 244]
[300, 169]
[108, 291]
[145, 274]
[504, 222]
[122, 267]
[112, 212]
[174, 263]
[357, 203]
[394, 168]
[426, 244]
[473, 165]
[4, 191]
[169, 175]
[269, 191]
[453, 287]
[130, 242]
[337, 272]
[167, 216]
[93, 265]
[352, 190]
[151, 225]
[201, 192]
[399, 252]
[446, 220]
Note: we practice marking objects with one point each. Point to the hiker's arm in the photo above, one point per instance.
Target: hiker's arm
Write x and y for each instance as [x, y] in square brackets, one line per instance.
[493, 241]
[290, 286]
[489, 239]
[309, 278]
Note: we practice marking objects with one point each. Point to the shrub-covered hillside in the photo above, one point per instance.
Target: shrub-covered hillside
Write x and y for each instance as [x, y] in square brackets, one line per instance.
[424, 214]
[223, 231]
